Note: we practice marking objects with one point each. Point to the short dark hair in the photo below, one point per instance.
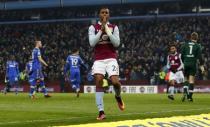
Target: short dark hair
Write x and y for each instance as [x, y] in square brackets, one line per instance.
[36, 39]
[103, 7]
[12, 56]
[172, 44]
[75, 50]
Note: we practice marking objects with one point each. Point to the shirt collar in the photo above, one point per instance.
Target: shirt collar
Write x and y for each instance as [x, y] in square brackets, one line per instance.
[174, 54]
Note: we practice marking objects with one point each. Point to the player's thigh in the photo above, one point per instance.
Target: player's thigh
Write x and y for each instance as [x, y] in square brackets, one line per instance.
[99, 67]
[72, 75]
[32, 82]
[78, 77]
[35, 73]
[99, 79]
[112, 68]
[190, 70]
[179, 77]
[41, 75]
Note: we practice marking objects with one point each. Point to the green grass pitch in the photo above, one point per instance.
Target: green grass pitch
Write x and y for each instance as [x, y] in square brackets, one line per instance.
[66, 109]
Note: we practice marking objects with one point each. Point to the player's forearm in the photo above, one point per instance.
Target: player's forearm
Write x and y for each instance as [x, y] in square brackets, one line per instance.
[180, 67]
[182, 64]
[42, 61]
[94, 39]
[114, 38]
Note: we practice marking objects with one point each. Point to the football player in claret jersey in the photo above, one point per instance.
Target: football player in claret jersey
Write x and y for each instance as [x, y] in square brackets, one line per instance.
[73, 64]
[191, 52]
[175, 67]
[104, 38]
[37, 75]
[12, 74]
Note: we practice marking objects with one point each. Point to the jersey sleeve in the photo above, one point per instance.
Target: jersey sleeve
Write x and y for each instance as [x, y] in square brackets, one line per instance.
[81, 61]
[7, 69]
[38, 53]
[181, 63]
[183, 51]
[66, 67]
[17, 68]
[67, 59]
[168, 63]
[93, 38]
[199, 55]
[115, 37]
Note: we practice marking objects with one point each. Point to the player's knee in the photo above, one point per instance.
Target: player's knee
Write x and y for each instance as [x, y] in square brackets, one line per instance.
[115, 82]
[99, 82]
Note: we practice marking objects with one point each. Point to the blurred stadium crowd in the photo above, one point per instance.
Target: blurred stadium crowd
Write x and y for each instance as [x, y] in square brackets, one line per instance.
[142, 53]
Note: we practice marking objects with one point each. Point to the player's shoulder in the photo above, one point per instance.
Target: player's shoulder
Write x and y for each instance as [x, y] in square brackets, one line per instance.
[8, 62]
[29, 62]
[112, 25]
[37, 49]
[198, 44]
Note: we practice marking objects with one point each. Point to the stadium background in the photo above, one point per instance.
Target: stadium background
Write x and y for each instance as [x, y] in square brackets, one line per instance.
[146, 29]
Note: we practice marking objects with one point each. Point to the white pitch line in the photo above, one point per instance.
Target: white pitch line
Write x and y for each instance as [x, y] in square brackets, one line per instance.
[127, 114]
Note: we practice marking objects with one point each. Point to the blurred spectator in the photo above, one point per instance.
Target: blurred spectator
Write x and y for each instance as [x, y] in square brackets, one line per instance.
[143, 50]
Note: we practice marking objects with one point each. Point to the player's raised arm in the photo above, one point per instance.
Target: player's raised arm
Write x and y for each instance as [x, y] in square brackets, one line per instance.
[93, 38]
[115, 37]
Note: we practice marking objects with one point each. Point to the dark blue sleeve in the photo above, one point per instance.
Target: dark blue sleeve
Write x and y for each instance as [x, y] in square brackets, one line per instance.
[7, 69]
[83, 63]
[17, 69]
[66, 66]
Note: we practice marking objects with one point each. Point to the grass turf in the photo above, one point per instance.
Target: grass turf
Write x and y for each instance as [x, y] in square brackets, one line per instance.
[66, 109]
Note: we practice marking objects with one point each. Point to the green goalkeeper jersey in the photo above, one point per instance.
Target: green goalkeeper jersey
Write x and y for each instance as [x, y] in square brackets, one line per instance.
[190, 51]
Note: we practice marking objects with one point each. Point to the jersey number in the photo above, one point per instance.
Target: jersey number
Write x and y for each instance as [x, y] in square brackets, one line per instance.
[191, 48]
[74, 62]
[114, 68]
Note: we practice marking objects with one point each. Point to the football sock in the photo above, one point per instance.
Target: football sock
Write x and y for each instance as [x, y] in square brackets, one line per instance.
[117, 89]
[32, 89]
[42, 85]
[186, 87]
[191, 88]
[99, 100]
[171, 90]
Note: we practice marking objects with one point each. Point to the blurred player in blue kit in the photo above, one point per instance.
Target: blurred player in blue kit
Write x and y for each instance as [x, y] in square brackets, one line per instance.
[73, 64]
[35, 70]
[12, 75]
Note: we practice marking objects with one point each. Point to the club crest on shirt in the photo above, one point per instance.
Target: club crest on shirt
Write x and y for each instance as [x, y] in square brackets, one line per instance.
[105, 37]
